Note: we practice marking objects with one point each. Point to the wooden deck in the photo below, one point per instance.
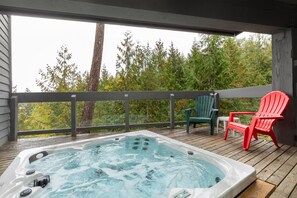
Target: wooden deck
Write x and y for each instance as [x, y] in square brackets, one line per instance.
[274, 166]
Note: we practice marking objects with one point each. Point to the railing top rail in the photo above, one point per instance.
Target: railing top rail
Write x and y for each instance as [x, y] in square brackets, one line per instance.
[247, 92]
[96, 96]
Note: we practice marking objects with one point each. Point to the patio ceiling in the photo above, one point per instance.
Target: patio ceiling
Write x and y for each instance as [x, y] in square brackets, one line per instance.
[230, 17]
[213, 16]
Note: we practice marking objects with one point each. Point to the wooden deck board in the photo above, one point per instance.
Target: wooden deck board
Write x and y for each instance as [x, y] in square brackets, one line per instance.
[227, 147]
[261, 154]
[269, 159]
[240, 152]
[255, 155]
[287, 186]
[276, 166]
[265, 173]
[294, 193]
[278, 176]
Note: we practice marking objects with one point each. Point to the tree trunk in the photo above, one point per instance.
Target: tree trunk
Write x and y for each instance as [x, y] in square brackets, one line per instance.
[88, 111]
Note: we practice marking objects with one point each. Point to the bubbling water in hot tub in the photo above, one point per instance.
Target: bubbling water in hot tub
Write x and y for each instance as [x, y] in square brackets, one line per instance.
[129, 167]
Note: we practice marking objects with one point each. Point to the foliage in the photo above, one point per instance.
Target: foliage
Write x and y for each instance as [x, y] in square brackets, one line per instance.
[214, 63]
[210, 67]
[62, 77]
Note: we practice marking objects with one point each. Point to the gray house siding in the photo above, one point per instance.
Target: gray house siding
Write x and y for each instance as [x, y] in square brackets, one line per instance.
[5, 77]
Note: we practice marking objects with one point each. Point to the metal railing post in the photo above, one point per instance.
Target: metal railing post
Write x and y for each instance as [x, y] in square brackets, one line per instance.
[13, 118]
[172, 111]
[127, 127]
[73, 115]
[216, 100]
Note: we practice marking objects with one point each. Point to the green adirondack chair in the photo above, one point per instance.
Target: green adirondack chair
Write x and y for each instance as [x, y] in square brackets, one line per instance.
[203, 113]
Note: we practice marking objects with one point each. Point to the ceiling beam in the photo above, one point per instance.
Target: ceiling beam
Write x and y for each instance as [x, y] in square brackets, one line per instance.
[212, 16]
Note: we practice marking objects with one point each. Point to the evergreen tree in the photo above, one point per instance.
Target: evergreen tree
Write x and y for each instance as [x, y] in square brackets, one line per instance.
[235, 67]
[106, 81]
[157, 67]
[175, 63]
[124, 63]
[194, 67]
[63, 76]
[256, 56]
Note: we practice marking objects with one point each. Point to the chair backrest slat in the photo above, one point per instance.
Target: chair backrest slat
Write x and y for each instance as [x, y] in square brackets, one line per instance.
[204, 105]
[273, 103]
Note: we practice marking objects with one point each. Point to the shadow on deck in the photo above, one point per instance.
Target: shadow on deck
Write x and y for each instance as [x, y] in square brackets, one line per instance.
[274, 166]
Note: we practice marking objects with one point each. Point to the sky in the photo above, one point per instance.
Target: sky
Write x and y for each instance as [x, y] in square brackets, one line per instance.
[36, 41]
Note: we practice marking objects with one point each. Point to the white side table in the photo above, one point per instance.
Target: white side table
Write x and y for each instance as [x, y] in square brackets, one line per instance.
[225, 119]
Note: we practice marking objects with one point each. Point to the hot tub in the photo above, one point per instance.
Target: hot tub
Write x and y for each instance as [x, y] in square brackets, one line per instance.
[135, 164]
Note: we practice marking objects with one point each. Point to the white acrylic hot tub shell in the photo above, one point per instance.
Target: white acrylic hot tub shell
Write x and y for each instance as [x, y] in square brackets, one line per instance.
[237, 175]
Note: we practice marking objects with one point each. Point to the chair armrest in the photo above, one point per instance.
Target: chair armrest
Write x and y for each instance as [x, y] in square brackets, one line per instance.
[188, 112]
[242, 113]
[233, 114]
[214, 113]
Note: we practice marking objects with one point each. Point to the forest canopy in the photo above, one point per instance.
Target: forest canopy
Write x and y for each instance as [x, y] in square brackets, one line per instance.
[214, 63]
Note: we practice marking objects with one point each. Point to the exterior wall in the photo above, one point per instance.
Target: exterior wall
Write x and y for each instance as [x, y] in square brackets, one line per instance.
[5, 77]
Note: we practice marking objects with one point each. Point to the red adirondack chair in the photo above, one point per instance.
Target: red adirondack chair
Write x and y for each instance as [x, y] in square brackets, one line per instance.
[272, 106]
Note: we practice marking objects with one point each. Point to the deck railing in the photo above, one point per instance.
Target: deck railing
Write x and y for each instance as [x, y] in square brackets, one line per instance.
[126, 97]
